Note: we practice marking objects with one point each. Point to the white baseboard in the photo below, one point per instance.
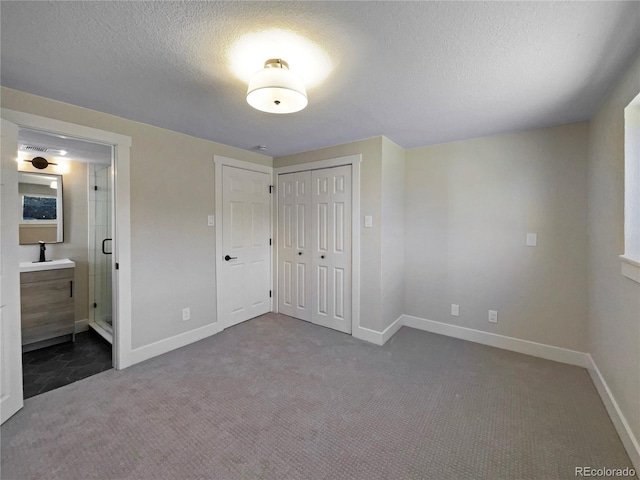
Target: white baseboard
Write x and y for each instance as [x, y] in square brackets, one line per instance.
[82, 325]
[541, 350]
[619, 421]
[146, 352]
[375, 337]
[391, 330]
[368, 335]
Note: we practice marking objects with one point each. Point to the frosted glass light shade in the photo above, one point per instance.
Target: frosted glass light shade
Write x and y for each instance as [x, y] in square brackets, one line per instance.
[275, 89]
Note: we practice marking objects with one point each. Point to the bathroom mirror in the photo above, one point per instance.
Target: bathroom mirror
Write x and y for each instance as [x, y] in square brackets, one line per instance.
[40, 208]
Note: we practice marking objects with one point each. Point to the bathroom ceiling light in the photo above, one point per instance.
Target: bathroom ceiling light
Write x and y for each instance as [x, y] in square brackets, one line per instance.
[275, 89]
[40, 162]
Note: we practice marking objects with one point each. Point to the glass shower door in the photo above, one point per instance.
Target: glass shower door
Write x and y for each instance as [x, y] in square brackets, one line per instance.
[101, 245]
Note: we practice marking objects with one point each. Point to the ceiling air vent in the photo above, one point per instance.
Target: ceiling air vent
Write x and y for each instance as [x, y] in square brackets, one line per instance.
[50, 151]
[35, 149]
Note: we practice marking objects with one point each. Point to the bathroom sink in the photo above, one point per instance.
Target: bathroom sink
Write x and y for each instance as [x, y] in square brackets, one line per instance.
[50, 265]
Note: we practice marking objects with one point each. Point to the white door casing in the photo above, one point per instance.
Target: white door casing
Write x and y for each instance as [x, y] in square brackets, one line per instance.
[294, 254]
[245, 256]
[123, 354]
[331, 247]
[11, 394]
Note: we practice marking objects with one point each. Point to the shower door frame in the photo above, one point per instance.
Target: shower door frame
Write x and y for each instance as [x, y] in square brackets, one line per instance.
[120, 220]
[95, 252]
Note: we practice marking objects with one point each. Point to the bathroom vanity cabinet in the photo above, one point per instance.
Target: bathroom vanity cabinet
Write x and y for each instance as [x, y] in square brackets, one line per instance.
[47, 307]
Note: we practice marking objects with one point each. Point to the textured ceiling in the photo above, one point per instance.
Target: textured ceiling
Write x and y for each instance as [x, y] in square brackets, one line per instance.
[419, 73]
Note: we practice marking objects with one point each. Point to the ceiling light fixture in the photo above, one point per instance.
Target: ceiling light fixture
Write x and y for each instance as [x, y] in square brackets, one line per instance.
[275, 89]
[40, 162]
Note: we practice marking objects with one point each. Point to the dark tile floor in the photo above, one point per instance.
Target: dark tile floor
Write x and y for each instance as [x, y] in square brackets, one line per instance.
[53, 367]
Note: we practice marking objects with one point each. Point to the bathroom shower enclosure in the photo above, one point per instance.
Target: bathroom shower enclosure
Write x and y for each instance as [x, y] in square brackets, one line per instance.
[100, 249]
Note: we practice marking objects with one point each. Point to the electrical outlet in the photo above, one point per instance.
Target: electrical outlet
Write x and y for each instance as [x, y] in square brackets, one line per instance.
[532, 239]
[493, 316]
[186, 314]
[455, 310]
[211, 220]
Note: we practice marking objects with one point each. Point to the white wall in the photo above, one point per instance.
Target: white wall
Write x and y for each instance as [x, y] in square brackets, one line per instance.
[614, 300]
[172, 192]
[469, 206]
[392, 218]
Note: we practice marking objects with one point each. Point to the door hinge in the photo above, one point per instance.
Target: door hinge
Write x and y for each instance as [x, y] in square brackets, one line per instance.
[270, 188]
[95, 187]
[269, 293]
[95, 305]
[117, 266]
[269, 241]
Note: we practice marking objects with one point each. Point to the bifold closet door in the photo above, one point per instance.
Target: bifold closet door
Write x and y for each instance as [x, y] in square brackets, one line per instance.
[331, 247]
[314, 246]
[294, 251]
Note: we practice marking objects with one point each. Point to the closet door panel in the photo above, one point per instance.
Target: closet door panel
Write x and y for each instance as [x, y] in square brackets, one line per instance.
[294, 203]
[331, 258]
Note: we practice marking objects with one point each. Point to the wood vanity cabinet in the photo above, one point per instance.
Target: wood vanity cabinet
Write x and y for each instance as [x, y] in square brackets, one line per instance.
[47, 307]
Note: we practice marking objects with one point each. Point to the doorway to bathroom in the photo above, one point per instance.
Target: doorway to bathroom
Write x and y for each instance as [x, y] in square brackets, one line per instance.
[62, 344]
[11, 390]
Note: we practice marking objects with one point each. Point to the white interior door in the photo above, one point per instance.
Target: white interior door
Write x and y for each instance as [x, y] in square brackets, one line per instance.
[11, 397]
[331, 245]
[294, 251]
[245, 288]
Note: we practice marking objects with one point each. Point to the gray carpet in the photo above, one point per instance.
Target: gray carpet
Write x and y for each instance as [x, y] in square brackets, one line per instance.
[278, 398]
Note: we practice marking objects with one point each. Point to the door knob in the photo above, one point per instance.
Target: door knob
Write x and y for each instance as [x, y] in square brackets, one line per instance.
[321, 256]
[299, 253]
[227, 258]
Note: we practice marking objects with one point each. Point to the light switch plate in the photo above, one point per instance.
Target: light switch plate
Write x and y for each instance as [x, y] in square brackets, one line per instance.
[211, 220]
[532, 239]
[368, 221]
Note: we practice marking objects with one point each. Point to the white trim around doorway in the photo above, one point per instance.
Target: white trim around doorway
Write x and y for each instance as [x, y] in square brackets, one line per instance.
[122, 353]
[354, 161]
